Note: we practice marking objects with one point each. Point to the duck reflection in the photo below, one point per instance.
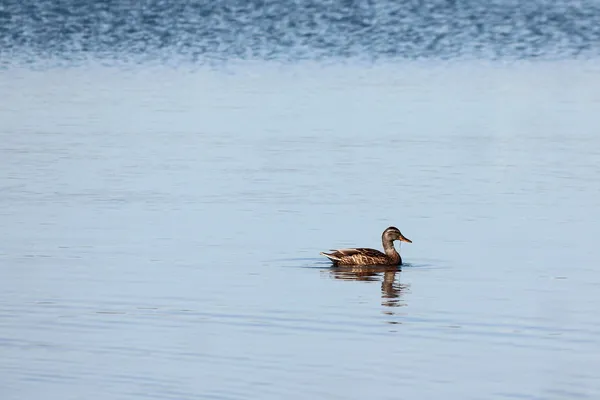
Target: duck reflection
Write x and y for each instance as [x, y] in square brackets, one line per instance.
[391, 289]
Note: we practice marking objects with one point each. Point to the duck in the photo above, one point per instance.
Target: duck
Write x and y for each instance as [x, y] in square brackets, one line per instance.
[364, 256]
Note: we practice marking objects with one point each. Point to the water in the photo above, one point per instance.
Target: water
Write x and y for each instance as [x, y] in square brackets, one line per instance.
[291, 30]
[169, 173]
[161, 230]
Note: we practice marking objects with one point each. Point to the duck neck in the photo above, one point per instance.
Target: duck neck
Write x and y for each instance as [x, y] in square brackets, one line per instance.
[390, 251]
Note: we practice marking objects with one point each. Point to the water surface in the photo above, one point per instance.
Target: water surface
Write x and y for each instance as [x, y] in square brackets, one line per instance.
[220, 31]
[161, 229]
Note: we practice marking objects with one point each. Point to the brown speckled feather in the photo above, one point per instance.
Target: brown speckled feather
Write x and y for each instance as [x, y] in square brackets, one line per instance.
[364, 256]
[360, 256]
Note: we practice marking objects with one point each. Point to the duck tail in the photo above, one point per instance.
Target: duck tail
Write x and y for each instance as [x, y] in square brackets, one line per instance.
[330, 256]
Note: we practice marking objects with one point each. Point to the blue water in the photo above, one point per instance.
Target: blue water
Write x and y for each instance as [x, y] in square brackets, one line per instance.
[161, 229]
[288, 30]
[169, 173]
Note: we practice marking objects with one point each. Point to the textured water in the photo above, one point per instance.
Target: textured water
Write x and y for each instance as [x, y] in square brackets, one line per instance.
[160, 231]
[160, 221]
[216, 31]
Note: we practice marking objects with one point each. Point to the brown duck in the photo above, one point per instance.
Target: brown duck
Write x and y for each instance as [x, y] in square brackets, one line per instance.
[363, 256]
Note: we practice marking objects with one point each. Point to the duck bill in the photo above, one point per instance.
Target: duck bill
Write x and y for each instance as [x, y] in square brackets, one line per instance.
[405, 239]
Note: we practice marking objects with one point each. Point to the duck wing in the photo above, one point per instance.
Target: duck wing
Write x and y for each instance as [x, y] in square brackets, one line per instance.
[338, 254]
[363, 251]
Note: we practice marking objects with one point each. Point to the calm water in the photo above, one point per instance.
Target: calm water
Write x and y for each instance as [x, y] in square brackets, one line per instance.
[161, 228]
[169, 172]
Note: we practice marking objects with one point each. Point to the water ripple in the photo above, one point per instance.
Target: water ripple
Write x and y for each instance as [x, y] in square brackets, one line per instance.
[298, 29]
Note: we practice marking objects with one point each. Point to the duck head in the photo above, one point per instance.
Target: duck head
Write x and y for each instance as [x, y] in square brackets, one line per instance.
[392, 233]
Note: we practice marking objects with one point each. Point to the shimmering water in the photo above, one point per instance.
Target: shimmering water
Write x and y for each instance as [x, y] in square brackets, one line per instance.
[213, 31]
[160, 231]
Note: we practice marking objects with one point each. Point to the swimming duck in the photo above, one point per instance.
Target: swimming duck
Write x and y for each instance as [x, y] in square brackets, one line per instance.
[363, 256]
